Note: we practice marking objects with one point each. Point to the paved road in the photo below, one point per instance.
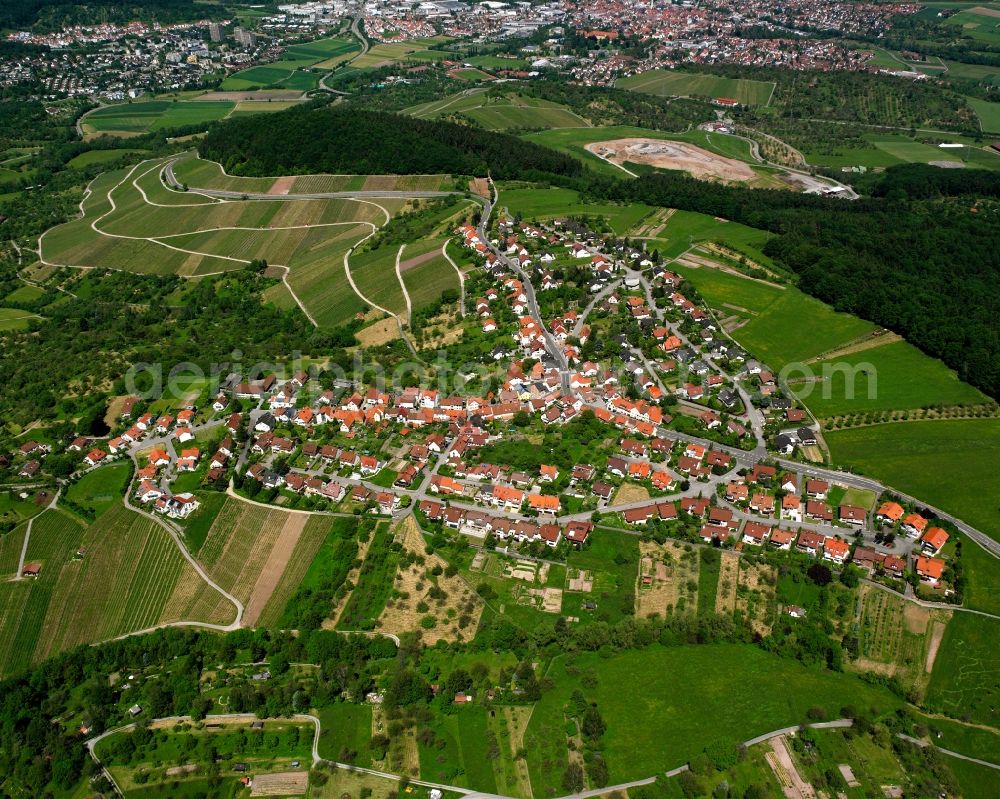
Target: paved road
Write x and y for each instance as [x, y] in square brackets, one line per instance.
[924, 744]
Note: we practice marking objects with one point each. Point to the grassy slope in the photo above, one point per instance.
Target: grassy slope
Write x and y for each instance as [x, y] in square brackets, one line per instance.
[950, 464]
[964, 683]
[664, 705]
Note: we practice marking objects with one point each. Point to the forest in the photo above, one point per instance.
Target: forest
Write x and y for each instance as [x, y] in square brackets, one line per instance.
[339, 140]
[54, 14]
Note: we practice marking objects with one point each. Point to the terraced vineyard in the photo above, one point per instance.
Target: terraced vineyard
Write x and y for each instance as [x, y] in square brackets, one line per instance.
[132, 222]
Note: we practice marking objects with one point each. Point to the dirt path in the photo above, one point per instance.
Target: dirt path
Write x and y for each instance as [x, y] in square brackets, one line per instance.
[402, 285]
[461, 278]
[274, 567]
[792, 784]
[937, 633]
[867, 343]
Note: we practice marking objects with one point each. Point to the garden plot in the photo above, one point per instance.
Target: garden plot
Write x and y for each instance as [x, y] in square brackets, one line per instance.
[725, 595]
[755, 595]
[445, 609]
[668, 579]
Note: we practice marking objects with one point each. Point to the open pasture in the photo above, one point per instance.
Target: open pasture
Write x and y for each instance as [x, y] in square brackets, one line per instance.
[15, 319]
[150, 115]
[949, 463]
[887, 377]
[964, 683]
[554, 203]
[688, 84]
[506, 112]
[652, 725]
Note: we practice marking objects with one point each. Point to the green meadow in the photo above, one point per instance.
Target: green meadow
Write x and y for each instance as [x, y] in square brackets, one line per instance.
[887, 377]
[691, 84]
[964, 682]
[555, 203]
[950, 464]
[663, 706]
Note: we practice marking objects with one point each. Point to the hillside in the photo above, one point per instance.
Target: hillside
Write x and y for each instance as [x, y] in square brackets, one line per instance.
[338, 140]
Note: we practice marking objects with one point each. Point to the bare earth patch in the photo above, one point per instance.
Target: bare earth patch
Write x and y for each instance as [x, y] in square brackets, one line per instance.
[380, 332]
[274, 567]
[663, 154]
[937, 633]
[916, 618]
[287, 783]
[630, 492]
[418, 259]
[282, 185]
[480, 186]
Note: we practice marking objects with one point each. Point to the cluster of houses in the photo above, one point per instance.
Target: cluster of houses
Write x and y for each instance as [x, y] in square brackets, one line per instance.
[522, 531]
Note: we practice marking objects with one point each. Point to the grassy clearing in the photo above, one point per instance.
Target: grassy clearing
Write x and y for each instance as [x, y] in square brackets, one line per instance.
[553, 203]
[797, 327]
[662, 706]
[988, 113]
[92, 157]
[347, 734]
[964, 683]
[102, 488]
[458, 754]
[682, 84]
[15, 319]
[949, 464]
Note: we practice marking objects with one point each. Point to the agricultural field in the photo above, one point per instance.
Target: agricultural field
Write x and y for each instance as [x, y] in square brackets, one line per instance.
[896, 637]
[315, 532]
[119, 575]
[299, 69]
[886, 377]
[555, 203]
[611, 563]
[413, 50]
[964, 683]
[374, 273]
[506, 112]
[988, 113]
[683, 84]
[55, 537]
[102, 488]
[652, 726]
[888, 149]
[427, 274]
[948, 463]
[138, 224]
[91, 157]
[150, 115]
[249, 547]
[983, 27]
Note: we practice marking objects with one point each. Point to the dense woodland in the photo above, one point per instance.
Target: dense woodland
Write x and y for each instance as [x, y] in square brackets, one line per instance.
[55, 14]
[339, 140]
